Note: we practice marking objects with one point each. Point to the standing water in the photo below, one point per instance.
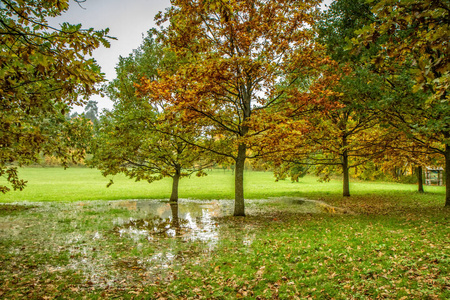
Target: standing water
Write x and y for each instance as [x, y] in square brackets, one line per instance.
[188, 220]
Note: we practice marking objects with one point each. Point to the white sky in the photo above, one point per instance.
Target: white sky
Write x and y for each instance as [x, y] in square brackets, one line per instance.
[128, 21]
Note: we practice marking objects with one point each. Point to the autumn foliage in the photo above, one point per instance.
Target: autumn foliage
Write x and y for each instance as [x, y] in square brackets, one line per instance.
[414, 36]
[44, 71]
[247, 71]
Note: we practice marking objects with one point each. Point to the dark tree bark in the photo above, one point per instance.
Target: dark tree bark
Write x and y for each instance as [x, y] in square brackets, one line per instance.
[420, 178]
[345, 169]
[447, 175]
[175, 181]
[239, 205]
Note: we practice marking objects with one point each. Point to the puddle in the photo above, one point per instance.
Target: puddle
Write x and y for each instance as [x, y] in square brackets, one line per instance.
[154, 235]
[192, 220]
[188, 220]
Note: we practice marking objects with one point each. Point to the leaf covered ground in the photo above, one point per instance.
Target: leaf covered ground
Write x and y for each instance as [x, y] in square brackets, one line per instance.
[371, 247]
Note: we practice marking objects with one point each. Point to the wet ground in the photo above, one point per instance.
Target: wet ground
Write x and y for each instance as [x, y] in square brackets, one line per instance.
[150, 249]
[133, 240]
[187, 220]
[196, 220]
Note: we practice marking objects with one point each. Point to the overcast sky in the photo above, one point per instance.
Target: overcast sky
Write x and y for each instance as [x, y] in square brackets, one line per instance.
[127, 20]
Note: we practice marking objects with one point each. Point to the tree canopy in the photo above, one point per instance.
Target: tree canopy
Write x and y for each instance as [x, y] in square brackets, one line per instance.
[247, 68]
[139, 138]
[44, 71]
[279, 81]
[414, 37]
[348, 135]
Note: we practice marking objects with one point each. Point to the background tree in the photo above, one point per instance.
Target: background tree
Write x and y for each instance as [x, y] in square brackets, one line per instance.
[43, 72]
[405, 154]
[370, 96]
[91, 111]
[417, 41]
[347, 136]
[132, 138]
[241, 62]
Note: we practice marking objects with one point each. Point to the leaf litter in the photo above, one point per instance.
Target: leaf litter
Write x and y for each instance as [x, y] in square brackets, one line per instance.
[139, 248]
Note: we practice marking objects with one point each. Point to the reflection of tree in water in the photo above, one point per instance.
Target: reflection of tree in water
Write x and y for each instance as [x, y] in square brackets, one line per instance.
[190, 220]
[214, 209]
[158, 226]
[175, 220]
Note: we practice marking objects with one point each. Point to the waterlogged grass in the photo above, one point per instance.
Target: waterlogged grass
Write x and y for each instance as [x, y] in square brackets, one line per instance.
[79, 184]
[357, 248]
[386, 241]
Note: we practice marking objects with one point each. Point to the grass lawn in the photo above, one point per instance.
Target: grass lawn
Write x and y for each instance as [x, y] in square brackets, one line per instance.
[391, 242]
[80, 184]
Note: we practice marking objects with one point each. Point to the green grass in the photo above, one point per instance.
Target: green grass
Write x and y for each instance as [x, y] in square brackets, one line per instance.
[392, 243]
[334, 257]
[79, 184]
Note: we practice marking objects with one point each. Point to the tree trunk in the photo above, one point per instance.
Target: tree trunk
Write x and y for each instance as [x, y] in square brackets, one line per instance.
[175, 180]
[345, 169]
[420, 179]
[239, 205]
[346, 187]
[447, 175]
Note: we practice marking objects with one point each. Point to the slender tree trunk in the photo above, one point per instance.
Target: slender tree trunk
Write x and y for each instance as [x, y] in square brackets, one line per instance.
[239, 205]
[345, 169]
[175, 181]
[420, 178]
[447, 175]
[346, 187]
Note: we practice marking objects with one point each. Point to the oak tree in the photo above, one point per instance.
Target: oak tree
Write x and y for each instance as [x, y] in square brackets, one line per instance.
[417, 41]
[44, 70]
[347, 136]
[240, 71]
[138, 137]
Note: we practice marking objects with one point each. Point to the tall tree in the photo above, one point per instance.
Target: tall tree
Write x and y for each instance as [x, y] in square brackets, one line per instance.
[91, 111]
[417, 41]
[138, 137]
[347, 136]
[43, 72]
[239, 75]
[343, 137]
